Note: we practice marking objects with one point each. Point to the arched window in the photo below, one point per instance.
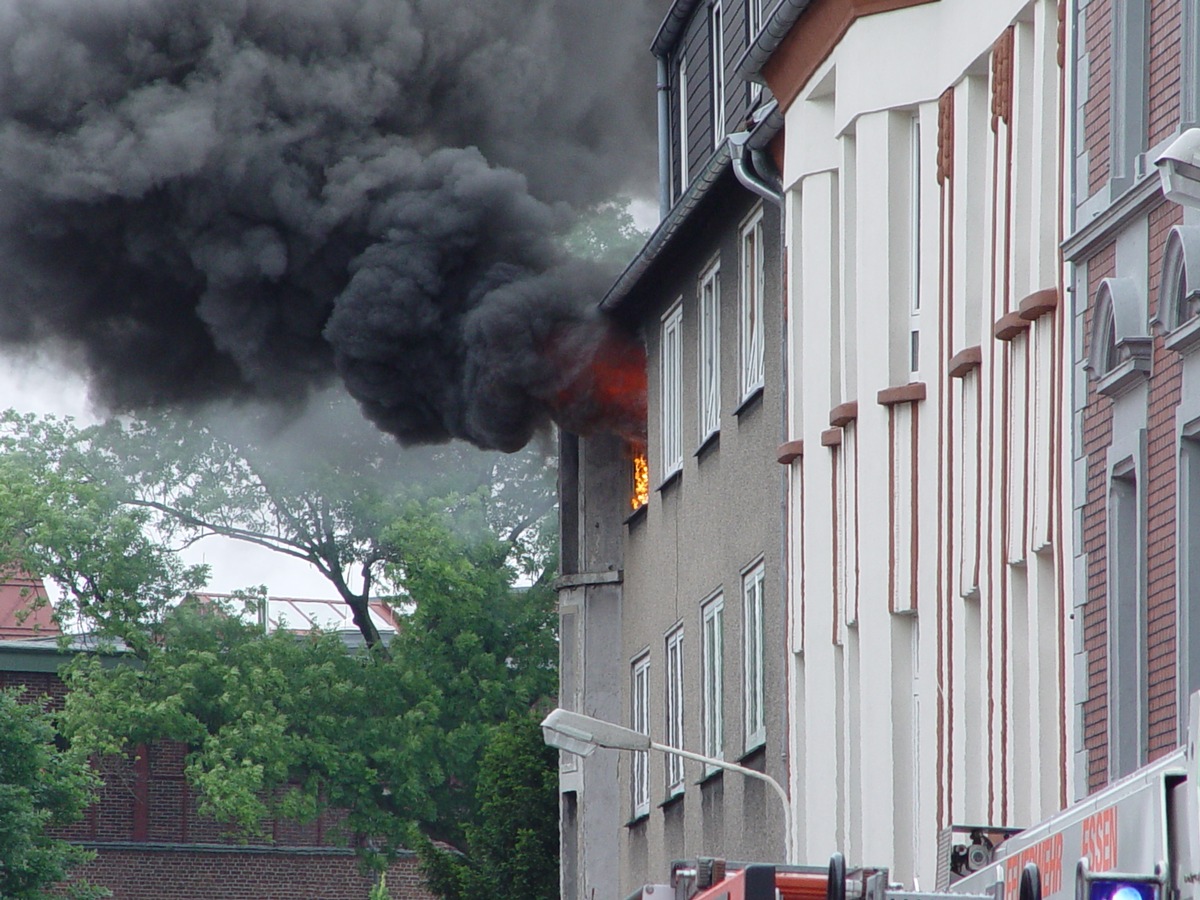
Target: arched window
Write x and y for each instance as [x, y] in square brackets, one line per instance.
[1119, 351]
[1179, 288]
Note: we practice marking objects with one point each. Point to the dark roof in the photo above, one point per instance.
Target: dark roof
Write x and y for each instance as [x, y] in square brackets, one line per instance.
[774, 30]
[768, 123]
[700, 187]
[672, 26]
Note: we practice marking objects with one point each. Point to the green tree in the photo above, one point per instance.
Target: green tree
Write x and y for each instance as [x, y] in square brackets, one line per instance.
[40, 787]
[512, 844]
[276, 725]
[323, 488]
[607, 233]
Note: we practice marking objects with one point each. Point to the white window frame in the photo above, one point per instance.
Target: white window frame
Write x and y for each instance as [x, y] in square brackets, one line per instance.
[674, 710]
[716, 37]
[752, 287]
[1127, 677]
[754, 16]
[709, 291]
[639, 721]
[1188, 576]
[712, 676]
[753, 665]
[671, 383]
[682, 81]
[914, 287]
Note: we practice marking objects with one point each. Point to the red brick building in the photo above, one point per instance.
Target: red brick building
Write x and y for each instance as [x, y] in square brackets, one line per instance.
[1135, 256]
[151, 841]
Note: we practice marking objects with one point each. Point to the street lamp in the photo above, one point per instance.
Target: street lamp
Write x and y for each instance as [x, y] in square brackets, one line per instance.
[1179, 169]
[580, 734]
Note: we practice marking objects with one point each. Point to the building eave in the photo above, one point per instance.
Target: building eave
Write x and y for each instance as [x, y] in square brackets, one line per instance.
[672, 27]
[661, 239]
[768, 123]
[774, 30]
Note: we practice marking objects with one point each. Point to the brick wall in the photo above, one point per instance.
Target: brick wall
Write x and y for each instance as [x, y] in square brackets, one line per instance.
[1164, 69]
[153, 844]
[1097, 109]
[180, 872]
[1161, 495]
[1097, 435]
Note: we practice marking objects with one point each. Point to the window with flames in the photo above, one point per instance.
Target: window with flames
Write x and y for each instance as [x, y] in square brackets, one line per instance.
[640, 480]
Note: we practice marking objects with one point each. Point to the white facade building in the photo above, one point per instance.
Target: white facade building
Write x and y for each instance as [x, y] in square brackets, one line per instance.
[929, 526]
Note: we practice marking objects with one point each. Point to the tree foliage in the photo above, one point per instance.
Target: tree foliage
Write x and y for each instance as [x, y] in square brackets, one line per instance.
[323, 488]
[512, 845]
[41, 787]
[607, 233]
[279, 725]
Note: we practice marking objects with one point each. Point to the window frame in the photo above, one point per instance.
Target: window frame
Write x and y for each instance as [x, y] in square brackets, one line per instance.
[752, 290]
[673, 713]
[1127, 677]
[914, 226]
[753, 663]
[1187, 594]
[716, 56]
[671, 391]
[708, 368]
[639, 721]
[712, 678]
[682, 112]
[754, 22]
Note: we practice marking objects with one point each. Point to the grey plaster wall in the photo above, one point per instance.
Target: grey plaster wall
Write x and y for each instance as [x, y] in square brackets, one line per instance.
[697, 535]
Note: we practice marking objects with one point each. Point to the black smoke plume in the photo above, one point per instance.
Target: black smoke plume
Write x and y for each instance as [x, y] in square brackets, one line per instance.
[223, 199]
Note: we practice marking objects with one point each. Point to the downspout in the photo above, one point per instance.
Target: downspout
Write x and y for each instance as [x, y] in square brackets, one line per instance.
[664, 138]
[748, 167]
[753, 168]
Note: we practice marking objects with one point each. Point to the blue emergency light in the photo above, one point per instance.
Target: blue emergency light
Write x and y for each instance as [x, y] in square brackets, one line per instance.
[1122, 889]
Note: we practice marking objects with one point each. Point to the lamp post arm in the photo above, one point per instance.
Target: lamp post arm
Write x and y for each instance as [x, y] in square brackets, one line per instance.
[749, 773]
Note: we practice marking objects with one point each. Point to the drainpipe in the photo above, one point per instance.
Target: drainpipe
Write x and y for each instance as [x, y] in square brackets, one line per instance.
[664, 138]
[751, 167]
[748, 167]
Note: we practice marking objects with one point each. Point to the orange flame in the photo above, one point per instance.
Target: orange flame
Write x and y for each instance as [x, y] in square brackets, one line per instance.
[641, 480]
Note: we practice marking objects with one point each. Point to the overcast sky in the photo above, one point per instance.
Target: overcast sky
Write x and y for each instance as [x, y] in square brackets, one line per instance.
[39, 385]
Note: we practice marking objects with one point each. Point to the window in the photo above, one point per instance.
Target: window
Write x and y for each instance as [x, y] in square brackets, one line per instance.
[752, 593]
[1189, 82]
[752, 288]
[712, 674]
[1189, 573]
[1127, 682]
[753, 27]
[1129, 69]
[672, 391]
[682, 81]
[914, 251]
[639, 721]
[1179, 289]
[674, 707]
[716, 38]
[1120, 349]
[710, 351]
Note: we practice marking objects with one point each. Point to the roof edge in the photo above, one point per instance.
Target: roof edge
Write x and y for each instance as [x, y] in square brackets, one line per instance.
[775, 29]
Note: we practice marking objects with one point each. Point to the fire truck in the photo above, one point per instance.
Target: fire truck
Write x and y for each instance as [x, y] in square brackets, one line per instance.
[1137, 839]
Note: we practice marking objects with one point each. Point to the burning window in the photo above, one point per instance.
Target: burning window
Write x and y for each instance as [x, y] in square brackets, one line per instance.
[640, 492]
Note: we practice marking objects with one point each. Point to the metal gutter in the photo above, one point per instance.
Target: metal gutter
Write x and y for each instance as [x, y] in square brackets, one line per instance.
[774, 30]
[769, 122]
[672, 27]
[696, 192]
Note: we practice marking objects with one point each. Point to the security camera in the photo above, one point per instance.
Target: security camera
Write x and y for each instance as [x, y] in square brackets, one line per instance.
[1179, 169]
